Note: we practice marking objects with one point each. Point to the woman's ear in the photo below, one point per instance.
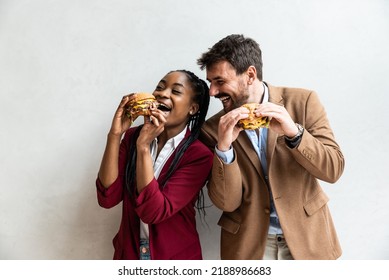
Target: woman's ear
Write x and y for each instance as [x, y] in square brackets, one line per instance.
[193, 109]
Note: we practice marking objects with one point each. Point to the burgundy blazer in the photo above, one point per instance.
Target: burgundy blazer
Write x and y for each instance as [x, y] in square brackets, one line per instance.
[168, 211]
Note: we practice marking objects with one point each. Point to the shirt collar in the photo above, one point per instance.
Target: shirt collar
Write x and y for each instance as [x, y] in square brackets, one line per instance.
[176, 140]
[265, 93]
[179, 137]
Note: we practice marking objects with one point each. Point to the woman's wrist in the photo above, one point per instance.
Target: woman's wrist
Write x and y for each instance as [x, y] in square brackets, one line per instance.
[143, 148]
[114, 135]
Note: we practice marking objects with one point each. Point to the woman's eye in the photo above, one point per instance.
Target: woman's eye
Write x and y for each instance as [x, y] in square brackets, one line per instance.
[176, 91]
[158, 88]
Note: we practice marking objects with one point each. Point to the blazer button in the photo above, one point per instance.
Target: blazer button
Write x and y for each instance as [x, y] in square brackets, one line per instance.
[144, 250]
[267, 211]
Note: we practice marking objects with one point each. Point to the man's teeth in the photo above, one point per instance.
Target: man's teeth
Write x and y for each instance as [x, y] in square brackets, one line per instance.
[224, 98]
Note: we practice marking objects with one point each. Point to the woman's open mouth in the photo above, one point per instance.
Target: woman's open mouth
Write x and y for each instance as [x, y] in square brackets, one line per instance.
[163, 107]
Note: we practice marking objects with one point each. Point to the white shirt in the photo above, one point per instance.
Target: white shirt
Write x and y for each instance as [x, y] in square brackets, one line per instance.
[159, 163]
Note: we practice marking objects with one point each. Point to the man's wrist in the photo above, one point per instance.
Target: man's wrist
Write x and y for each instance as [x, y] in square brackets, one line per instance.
[294, 141]
[300, 131]
[226, 156]
[222, 148]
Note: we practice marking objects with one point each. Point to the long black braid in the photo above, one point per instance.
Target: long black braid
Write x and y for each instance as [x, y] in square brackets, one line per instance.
[202, 98]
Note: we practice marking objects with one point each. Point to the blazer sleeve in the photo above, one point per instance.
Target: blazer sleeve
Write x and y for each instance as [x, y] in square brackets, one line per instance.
[225, 183]
[156, 204]
[225, 186]
[318, 152]
[113, 195]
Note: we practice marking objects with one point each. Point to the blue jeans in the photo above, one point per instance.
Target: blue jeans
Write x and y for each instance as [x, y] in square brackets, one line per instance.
[276, 248]
[144, 250]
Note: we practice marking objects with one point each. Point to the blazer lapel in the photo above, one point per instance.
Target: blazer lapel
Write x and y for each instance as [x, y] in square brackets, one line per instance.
[243, 145]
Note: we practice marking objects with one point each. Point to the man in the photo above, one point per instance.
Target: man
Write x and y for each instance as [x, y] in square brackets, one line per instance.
[266, 181]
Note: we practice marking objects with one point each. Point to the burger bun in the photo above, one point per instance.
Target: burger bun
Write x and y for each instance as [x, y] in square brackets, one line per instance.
[140, 104]
[253, 122]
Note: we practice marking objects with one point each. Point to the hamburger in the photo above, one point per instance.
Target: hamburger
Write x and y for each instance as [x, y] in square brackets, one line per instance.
[253, 122]
[139, 105]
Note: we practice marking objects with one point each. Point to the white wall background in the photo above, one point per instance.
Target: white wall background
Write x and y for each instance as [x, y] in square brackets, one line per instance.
[64, 66]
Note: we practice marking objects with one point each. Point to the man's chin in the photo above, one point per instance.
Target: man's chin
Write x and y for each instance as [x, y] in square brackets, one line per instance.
[228, 106]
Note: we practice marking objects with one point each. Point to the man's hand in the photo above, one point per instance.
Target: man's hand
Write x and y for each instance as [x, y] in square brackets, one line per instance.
[281, 122]
[228, 130]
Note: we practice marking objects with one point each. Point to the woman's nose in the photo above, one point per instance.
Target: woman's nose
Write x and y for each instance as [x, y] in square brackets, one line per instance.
[162, 93]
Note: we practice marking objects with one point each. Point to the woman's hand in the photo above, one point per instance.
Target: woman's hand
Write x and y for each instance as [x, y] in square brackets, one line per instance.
[152, 128]
[121, 123]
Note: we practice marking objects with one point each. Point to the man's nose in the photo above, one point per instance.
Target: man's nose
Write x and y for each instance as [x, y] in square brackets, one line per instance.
[213, 90]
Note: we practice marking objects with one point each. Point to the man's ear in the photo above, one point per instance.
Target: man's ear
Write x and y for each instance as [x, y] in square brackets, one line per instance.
[251, 74]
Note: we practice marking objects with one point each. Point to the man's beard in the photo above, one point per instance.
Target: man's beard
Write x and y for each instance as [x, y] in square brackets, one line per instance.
[238, 99]
[243, 96]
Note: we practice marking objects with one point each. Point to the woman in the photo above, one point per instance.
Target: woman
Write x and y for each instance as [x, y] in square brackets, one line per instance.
[158, 171]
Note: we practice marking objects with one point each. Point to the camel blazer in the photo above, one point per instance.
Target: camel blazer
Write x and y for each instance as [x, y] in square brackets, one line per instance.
[241, 191]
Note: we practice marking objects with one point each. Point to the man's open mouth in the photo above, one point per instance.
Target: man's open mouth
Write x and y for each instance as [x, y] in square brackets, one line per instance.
[224, 98]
